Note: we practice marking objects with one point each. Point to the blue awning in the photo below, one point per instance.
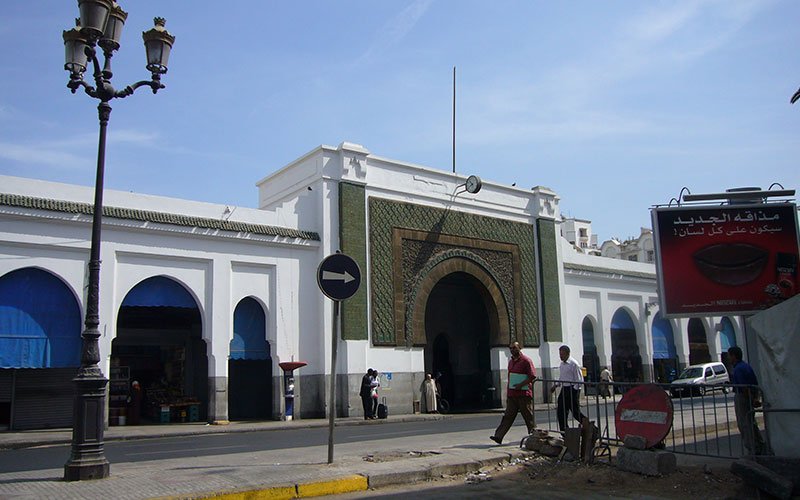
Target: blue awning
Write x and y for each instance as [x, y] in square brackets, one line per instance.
[159, 291]
[40, 324]
[663, 339]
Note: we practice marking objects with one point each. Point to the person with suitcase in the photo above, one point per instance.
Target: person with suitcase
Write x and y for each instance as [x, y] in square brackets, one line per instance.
[374, 384]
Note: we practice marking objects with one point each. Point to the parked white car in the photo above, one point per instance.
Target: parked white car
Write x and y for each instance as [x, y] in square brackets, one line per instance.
[694, 379]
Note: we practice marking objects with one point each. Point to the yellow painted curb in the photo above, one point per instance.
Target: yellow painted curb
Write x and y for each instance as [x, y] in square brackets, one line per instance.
[332, 487]
[285, 492]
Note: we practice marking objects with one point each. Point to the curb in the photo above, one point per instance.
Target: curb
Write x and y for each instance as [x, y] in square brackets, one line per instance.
[331, 486]
[345, 484]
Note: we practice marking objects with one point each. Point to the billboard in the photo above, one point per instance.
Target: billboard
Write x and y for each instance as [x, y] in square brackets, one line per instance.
[725, 259]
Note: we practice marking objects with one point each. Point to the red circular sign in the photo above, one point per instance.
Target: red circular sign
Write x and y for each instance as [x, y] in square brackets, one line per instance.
[645, 411]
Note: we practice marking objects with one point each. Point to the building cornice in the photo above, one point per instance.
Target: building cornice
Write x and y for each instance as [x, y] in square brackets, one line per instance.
[606, 272]
[72, 207]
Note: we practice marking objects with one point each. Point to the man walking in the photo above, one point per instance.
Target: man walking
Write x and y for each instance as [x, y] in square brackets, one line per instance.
[521, 374]
[605, 380]
[569, 398]
[745, 399]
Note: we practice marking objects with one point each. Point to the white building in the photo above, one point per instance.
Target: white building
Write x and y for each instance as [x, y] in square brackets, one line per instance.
[639, 249]
[200, 302]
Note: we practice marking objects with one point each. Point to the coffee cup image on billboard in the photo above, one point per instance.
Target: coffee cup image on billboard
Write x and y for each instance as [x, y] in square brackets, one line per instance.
[731, 264]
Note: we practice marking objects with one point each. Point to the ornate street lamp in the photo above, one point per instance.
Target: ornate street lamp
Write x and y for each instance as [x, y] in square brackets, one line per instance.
[100, 24]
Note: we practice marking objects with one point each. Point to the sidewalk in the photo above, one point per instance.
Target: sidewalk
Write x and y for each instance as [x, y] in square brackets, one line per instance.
[285, 473]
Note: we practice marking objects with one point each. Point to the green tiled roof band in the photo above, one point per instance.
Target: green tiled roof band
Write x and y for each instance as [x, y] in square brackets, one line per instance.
[72, 207]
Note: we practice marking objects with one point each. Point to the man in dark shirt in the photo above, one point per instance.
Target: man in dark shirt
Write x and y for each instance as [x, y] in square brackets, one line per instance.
[745, 400]
[366, 394]
[520, 396]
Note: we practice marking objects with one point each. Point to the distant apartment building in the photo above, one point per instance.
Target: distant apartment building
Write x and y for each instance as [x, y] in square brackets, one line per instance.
[639, 249]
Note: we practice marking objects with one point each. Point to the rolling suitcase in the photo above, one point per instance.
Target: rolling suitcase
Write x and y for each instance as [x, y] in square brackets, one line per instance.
[383, 410]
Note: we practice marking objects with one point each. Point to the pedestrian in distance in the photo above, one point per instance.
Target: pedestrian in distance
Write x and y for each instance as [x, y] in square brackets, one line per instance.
[375, 382]
[605, 380]
[521, 375]
[569, 372]
[744, 400]
[429, 394]
[366, 394]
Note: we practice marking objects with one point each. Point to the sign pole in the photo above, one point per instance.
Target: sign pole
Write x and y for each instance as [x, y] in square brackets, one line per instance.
[332, 395]
[338, 277]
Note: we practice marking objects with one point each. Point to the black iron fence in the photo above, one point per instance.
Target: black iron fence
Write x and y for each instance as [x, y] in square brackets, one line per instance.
[704, 419]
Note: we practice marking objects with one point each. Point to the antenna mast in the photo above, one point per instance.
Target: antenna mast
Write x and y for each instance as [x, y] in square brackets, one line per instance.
[454, 119]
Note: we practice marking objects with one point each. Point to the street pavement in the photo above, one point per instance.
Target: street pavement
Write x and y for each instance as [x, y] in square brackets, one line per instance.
[379, 460]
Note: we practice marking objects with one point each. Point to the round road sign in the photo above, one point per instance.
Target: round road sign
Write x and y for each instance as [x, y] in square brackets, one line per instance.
[644, 411]
[338, 276]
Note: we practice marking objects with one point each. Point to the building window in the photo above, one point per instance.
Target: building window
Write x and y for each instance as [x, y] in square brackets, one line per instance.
[650, 256]
[583, 232]
[632, 258]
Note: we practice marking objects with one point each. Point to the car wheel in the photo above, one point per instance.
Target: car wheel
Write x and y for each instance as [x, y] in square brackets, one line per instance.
[726, 390]
[701, 391]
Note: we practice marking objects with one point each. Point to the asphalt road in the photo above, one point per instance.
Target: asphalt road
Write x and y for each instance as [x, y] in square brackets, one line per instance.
[49, 457]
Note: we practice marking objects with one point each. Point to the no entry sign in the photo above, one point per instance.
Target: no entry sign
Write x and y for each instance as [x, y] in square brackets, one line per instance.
[644, 411]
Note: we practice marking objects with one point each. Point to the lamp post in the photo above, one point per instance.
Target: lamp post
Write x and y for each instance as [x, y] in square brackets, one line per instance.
[100, 24]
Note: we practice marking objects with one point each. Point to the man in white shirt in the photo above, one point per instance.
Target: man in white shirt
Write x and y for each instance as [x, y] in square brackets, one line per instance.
[569, 398]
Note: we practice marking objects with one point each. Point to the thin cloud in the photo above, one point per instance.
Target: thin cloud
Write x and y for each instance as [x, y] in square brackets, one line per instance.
[395, 30]
[37, 155]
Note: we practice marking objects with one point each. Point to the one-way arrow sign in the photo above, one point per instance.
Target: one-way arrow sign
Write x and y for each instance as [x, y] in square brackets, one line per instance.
[330, 275]
[338, 276]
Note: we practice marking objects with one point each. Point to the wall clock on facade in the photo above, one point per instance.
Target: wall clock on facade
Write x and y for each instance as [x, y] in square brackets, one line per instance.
[473, 184]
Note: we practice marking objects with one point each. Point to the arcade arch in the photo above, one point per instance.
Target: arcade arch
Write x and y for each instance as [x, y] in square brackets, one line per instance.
[159, 343]
[665, 356]
[249, 364]
[40, 349]
[698, 342]
[590, 358]
[626, 362]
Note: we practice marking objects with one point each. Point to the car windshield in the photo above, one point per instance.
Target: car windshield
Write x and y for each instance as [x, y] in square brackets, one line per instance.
[694, 372]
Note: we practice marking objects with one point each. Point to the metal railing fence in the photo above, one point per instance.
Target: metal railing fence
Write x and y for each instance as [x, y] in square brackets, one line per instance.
[704, 415]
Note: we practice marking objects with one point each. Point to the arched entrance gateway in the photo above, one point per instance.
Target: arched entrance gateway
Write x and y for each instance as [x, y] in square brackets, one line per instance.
[462, 322]
[159, 344]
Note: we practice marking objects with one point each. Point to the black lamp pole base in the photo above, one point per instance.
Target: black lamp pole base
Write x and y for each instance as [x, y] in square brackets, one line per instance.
[87, 460]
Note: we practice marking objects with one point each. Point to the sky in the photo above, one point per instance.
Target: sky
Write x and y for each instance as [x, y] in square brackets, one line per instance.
[615, 105]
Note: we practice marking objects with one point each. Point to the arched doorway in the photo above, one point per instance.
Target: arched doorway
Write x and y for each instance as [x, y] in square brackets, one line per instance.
[40, 350]
[698, 342]
[457, 330]
[250, 364]
[626, 362]
[665, 357]
[727, 338]
[590, 359]
[159, 344]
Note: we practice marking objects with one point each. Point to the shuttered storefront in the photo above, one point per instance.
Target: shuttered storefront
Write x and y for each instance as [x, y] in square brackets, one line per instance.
[42, 398]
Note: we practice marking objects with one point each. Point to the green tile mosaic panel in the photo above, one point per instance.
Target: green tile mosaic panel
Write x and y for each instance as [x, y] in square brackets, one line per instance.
[387, 214]
[353, 242]
[551, 302]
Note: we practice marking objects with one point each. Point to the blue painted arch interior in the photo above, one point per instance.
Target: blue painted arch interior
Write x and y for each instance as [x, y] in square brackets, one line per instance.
[663, 339]
[249, 331]
[159, 291]
[40, 324]
[727, 335]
